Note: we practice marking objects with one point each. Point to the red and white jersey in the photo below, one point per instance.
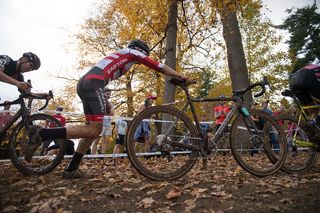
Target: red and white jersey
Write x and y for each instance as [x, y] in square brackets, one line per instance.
[118, 63]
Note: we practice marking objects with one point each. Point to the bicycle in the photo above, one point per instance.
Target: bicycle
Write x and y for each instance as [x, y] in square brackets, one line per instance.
[180, 142]
[302, 137]
[21, 132]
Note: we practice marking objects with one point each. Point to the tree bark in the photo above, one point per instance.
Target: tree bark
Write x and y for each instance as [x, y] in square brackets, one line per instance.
[236, 57]
[171, 41]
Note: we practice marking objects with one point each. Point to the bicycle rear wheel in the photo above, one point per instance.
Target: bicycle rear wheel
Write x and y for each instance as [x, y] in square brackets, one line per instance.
[258, 147]
[40, 163]
[302, 153]
[149, 143]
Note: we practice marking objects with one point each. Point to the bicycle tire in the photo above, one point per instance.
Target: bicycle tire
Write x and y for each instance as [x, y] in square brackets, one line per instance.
[159, 164]
[300, 158]
[253, 150]
[39, 165]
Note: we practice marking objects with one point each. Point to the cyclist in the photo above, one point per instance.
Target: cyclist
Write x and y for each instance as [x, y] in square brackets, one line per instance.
[305, 83]
[90, 90]
[11, 71]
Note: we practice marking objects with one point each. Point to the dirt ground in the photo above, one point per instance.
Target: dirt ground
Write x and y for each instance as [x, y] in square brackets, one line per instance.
[224, 187]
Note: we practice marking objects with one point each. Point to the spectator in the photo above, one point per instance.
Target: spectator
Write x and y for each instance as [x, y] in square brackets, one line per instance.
[60, 117]
[220, 112]
[204, 125]
[279, 111]
[120, 132]
[292, 111]
[106, 127]
[272, 135]
[5, 115]
[143, 133]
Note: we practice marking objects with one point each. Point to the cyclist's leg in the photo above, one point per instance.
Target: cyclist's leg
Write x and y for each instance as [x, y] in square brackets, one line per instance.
[94, 105]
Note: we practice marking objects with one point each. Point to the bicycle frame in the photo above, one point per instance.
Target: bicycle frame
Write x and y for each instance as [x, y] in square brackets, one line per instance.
[303, 115]
[237, 106]
[218, 133]
[23, 112]
[20, 113]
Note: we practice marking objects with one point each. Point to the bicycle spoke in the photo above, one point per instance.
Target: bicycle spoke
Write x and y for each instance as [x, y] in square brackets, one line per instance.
[158, 141]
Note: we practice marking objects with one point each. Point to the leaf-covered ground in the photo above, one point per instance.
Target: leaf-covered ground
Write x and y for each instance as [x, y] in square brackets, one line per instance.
[223, 187]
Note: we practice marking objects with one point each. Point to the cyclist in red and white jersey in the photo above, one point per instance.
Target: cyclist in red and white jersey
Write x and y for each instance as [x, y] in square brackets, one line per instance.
[90, 90]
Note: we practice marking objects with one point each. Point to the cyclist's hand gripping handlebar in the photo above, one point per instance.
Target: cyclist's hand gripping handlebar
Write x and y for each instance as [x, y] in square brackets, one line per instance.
[181, 82]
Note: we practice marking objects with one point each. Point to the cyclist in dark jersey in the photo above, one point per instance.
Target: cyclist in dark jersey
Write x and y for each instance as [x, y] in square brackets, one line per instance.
[90, 90]
[305, 83]
[11, 71]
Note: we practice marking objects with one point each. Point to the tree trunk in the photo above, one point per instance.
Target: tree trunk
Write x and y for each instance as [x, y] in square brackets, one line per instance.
[236, 58]
[171, 40]
[129, 92]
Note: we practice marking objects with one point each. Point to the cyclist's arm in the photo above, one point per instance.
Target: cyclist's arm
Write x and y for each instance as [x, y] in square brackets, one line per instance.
[162, 68]
[7, 79]
[169, 71]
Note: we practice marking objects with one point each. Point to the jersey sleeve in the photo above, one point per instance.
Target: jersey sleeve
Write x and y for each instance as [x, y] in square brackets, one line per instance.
[145, 60]
[4, 61]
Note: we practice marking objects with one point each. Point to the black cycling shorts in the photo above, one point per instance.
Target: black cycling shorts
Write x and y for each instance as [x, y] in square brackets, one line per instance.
[93, 100]
[304, 84]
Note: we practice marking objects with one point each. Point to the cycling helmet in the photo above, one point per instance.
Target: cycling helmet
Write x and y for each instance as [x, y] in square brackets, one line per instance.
[139, 44]
[59, 108]
[33, 58]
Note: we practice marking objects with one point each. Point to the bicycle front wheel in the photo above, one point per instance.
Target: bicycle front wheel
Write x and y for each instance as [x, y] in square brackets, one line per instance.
[259, 147]
[160, 143]
[41, 163]
[302, 152]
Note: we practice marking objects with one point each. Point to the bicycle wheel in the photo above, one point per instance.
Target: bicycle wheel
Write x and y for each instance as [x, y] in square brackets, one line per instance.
[258, 147]
[302, 153]
[40, 163]
[149, 143]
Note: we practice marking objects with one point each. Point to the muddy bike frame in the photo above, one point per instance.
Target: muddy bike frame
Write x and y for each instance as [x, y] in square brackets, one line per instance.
[237, 105]
[24, 110]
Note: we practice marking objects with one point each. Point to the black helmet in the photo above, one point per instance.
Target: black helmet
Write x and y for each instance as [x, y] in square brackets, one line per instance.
[33, 58]
[59, 108]
[136, 43]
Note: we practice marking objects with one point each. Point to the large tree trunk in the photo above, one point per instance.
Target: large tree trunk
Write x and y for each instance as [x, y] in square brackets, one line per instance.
[169, 90]
[236, 58]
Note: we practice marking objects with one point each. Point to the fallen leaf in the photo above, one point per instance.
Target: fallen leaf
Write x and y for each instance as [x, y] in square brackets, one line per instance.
[175, 192]
[190, 204]
[146, 202]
